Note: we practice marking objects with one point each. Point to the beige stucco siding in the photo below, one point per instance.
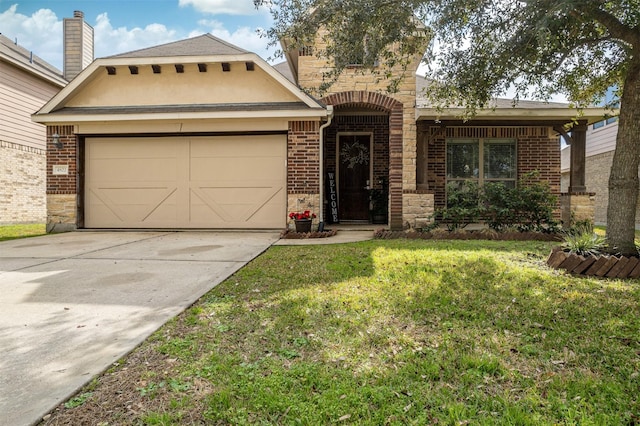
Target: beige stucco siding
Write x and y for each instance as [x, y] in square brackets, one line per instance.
[22, 94]
[172, 88]
[182, 126]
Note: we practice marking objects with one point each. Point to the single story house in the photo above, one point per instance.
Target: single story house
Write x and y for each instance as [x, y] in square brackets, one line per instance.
[203, 134]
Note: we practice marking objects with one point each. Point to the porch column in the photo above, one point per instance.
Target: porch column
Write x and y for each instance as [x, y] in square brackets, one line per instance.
[578, 151]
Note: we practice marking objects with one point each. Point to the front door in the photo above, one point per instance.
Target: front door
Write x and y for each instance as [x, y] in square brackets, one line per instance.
[354, 175]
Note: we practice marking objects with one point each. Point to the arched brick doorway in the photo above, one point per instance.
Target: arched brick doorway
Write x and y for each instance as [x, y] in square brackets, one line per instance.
[361, 116]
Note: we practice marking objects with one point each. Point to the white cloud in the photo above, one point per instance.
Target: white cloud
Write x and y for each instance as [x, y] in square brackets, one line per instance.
[244, 37]
[112, 41]
[220, 7]
[40, 32]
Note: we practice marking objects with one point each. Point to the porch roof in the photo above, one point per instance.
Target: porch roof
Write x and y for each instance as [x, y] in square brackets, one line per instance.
[507, 110]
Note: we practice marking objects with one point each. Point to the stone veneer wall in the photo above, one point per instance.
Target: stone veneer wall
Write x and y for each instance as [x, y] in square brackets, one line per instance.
[418, 209]
[62, 189]
[22, 184]
[576, 207]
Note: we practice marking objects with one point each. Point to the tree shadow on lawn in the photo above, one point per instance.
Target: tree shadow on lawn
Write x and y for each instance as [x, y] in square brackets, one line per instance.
[402, 332]
[518, 330]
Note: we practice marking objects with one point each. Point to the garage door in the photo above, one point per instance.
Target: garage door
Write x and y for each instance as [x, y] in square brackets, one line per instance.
[177, 182]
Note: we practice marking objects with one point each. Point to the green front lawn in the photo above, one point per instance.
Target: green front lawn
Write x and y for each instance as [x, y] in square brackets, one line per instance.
[387, 332]
[12, 232]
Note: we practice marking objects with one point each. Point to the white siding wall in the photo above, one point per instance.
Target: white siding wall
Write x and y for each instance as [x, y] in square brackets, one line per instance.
[87, 45]
[601, 140]
[22, 94]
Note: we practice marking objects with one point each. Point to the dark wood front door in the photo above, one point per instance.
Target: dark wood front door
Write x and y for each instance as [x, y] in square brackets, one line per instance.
[354, 164]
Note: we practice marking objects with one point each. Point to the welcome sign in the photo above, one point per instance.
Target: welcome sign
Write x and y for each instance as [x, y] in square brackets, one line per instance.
[332, 195]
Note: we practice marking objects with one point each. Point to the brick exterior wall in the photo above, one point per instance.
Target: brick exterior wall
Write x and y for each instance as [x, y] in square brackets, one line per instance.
[395, 138]
[303, 157]
[597, 171]
[61, 189]
[22, 184]
[537, 149]
[303, 167]
[377, 125]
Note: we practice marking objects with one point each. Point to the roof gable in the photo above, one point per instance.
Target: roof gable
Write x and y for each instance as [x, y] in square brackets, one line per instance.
[205, 44]
[201, 71]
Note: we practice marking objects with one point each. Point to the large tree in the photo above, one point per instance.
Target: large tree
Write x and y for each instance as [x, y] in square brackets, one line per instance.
[482, 49]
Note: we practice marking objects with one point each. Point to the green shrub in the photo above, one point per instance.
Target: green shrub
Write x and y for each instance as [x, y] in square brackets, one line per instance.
[463, 205]
[584, 243]
[527, 207]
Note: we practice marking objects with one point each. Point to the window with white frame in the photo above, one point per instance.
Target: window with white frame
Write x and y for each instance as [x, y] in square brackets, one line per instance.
[482, 160]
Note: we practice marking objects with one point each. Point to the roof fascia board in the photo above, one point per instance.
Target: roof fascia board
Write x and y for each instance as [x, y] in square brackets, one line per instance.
[589, 114]
[163, 60]
[76, 118]
[58, 81]
[292, 61]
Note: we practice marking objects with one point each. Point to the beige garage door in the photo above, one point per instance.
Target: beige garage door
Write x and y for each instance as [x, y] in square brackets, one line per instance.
[174, 182]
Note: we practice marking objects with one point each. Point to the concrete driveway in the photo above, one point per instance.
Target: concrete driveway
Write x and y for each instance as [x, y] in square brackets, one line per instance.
[72, 304]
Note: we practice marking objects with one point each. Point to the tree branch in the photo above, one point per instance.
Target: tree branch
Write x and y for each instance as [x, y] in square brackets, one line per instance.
[617, 29]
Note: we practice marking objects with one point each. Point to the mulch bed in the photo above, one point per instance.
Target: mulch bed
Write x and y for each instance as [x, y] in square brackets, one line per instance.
[466, 235]
[288, 234]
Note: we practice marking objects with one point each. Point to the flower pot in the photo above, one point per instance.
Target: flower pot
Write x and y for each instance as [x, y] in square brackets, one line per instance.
[303, 225]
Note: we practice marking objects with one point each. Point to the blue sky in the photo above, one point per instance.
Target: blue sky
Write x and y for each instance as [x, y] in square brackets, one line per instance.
[121, 26]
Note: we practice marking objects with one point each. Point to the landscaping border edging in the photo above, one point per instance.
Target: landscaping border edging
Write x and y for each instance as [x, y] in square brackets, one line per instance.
[594, 265]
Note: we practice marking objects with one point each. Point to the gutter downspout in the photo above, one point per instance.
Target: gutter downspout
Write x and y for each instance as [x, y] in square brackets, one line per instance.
[324, 126]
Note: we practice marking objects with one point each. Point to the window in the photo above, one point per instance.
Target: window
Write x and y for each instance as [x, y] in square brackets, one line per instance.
[603, 123]
[482, 160]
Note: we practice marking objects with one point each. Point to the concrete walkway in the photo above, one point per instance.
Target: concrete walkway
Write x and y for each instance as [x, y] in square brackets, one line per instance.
[72, 304]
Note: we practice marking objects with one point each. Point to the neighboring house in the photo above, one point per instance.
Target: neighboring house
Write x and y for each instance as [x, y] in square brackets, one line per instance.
[203, 134]
[601, 143]
[26, 83]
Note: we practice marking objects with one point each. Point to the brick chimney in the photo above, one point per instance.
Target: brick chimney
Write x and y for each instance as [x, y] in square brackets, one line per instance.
[78, 45]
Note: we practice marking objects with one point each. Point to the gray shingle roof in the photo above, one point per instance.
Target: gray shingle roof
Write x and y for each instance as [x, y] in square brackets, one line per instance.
[422, 102]
[155, 109]
[283, 68]
[205, 44]
[27, 61]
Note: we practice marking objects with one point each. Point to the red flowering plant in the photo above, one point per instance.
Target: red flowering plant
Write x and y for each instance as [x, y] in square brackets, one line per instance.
[302, 215]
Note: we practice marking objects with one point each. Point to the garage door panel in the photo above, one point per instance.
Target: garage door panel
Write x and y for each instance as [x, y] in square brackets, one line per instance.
[148, 170]
[118, 206]
[235, 204]
[213, 169]
[186, 183]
